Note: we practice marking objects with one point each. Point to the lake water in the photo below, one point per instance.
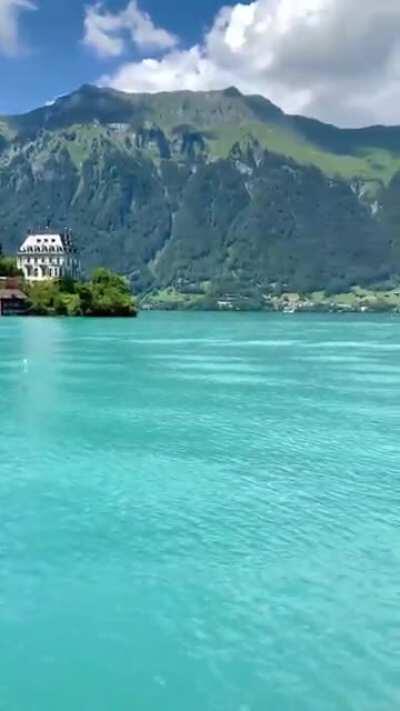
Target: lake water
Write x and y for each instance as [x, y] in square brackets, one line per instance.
[200, 512]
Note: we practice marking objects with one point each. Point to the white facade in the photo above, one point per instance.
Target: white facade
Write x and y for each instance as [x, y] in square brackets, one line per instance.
[48, 256]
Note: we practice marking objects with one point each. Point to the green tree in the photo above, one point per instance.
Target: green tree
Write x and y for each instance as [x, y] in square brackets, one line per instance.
[106, 294]
[110, 295]
[8, 265]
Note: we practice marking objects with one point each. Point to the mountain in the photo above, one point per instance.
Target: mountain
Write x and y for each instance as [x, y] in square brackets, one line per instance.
[205, 192]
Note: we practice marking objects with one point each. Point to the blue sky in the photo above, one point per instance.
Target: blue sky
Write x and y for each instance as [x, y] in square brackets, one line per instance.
[337, 60]
[52, 60]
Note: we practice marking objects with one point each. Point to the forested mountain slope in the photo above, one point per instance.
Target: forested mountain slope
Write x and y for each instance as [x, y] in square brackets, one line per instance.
[205, 191]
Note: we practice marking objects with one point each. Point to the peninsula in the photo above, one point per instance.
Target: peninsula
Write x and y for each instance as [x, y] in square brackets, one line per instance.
[46, 282]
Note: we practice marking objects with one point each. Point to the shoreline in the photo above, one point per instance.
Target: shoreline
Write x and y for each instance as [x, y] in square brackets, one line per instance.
[299, 312]
[356, 300]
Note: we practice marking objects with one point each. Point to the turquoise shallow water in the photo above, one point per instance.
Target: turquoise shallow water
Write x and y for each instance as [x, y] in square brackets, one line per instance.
[200, 512]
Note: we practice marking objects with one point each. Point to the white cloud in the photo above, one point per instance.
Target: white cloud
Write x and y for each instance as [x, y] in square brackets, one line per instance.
[99, 32]
[9, 14]
[106, 32]
[338, 60]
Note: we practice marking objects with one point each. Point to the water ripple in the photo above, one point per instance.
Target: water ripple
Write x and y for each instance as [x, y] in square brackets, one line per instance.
[207, 520]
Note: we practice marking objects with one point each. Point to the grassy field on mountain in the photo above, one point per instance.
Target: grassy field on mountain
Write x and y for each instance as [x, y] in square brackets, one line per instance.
[371, 164]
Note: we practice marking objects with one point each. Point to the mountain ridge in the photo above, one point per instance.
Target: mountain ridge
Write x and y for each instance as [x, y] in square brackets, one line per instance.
[256, 102]
[231, 92]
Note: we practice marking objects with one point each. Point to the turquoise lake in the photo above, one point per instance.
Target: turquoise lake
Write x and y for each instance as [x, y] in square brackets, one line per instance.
[200, 512]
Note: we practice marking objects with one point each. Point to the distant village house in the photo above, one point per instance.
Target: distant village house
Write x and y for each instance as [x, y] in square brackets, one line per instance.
[46, 256]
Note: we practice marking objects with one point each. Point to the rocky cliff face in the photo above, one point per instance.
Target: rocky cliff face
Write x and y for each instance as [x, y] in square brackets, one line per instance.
[205, 191]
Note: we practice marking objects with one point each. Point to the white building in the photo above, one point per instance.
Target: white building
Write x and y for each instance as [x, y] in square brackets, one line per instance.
[48, 256]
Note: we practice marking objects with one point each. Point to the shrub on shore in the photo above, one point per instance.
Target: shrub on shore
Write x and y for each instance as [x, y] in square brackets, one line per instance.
[8, 266]
[105, 294]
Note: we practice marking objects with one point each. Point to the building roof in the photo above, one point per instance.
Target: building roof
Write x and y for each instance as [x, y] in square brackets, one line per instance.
[8, 294]
[47, 242]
